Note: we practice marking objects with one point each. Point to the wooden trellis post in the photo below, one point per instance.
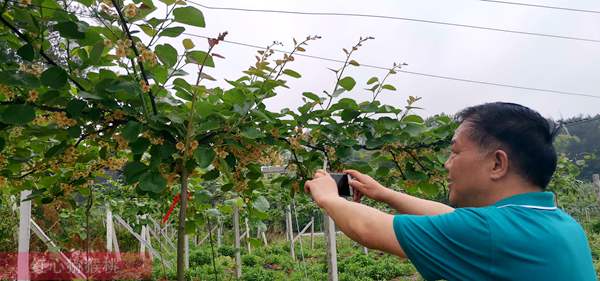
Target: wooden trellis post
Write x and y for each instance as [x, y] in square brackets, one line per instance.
[290, 232]
[24, 235]
[332, 271]
[312, 233]
[236, 229]
[248, 236]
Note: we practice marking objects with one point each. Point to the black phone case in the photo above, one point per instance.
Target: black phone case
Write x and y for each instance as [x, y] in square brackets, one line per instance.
[343, 185]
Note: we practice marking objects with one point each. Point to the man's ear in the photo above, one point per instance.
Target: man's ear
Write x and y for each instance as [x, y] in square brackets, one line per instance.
[500, 165]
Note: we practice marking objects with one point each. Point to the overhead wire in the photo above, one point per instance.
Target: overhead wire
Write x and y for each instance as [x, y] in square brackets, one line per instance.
[397, 18]
[550, 91]
[542, 6]
[444, 77]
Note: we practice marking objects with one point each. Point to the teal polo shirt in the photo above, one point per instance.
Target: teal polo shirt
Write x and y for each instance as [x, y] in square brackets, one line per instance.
[523, 237]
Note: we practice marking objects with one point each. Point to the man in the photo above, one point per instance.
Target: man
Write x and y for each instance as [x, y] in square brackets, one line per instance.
[505, 227]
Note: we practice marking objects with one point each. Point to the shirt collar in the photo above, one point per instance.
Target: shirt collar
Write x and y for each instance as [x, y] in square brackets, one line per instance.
[540, 199]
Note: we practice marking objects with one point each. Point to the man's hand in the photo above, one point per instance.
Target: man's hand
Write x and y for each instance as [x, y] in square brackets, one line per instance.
[366, 185]
[322, 187]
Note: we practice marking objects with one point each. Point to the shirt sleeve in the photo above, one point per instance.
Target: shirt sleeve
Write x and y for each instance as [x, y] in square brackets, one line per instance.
[453, 246]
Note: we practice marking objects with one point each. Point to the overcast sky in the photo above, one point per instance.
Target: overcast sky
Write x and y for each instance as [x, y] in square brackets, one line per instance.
[529, 61]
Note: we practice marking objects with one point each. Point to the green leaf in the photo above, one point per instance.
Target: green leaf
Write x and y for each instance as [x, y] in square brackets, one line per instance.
[166, 54]
[349, 114]
[347, 83]
[252, 133]
[69, 29]
[172, 31]
[26, 52]
[353, 62]
[168, 2]
[261, 204]
[389, 87]
[292, 73]
[152, 181]
[54, 77]
[2, 143]
[74, 107]
[132, 171]
[18, 114]
[96, 53]
[131, 131]
[149, 30]
[74, 131]
[372, 80]
[428, 188]
[311, 96]
[204, 156]
[59, 148]
[200, 57]
[189, 15]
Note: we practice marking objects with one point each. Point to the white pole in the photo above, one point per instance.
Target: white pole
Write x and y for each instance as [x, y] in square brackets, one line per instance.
[219, 232]
[40, 234]
[236, 229]
[312, 233]
[142, 244]
[248, 236]
[187, 251]
[24, 235]
[109, 236]
[332, 271]
[141, 239]
[288, 215]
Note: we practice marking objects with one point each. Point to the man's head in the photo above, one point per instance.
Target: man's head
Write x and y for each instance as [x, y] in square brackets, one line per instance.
[499, 149]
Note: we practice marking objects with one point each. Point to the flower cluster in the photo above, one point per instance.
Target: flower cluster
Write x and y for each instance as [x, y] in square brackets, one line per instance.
[122, 47]
[130, 10]
[108, 43]
[62, 120]
[35, 69]
[116, 116]
[193, 146]
[40, 120]
[114, 164]
[145, 54]
[2, 181]
[15, 132]
[70, 155]
[24, 3]
[121, 142]
[32, 96]
[145, 87]
[153, 140]
[7, 91]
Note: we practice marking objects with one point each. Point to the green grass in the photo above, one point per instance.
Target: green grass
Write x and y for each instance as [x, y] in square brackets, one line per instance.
[274, 262]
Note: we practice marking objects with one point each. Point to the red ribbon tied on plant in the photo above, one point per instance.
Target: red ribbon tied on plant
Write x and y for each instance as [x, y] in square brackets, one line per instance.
[173, 205]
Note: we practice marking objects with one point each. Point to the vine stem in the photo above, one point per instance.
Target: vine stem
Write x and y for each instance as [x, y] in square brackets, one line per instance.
[184, 170]
[136, 52]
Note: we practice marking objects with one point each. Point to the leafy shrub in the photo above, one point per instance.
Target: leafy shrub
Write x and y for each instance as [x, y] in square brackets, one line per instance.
[228, 251]
[251, 260]
[200, 257]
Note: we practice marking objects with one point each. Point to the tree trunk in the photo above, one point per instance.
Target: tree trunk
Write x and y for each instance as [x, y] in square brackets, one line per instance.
[181, 226]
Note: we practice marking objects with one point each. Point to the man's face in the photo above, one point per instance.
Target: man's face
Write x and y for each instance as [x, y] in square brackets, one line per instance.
[467, 170]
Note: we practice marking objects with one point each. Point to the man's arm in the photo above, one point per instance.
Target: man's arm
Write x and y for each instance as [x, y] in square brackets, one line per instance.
[407, 204]
[403, 203]
[368, 226]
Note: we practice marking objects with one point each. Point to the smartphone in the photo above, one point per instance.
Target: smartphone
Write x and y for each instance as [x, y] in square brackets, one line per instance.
[343, 186]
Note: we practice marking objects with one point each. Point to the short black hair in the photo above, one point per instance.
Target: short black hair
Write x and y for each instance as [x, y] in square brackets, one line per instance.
[523, 133]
